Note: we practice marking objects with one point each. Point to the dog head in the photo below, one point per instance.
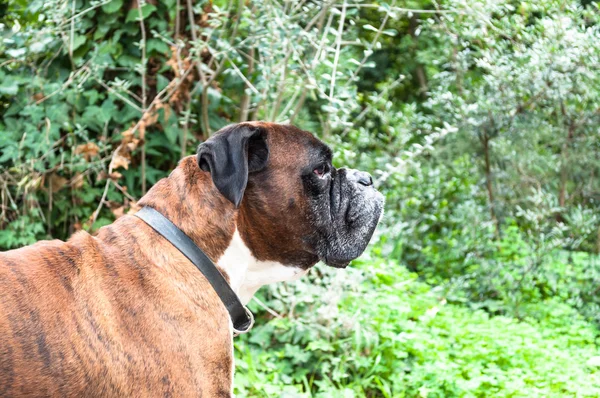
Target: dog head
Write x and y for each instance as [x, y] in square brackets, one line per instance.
[294, 207]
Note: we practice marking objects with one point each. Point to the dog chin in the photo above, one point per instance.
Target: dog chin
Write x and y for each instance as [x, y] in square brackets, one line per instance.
[336, 263]
[347, 238]
[352, 247]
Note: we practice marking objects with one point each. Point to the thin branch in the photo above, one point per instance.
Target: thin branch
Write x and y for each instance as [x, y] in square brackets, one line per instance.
[281, 87]
[369, 51]
[121, 97]
[65, 85]
[159, 97]
[123, 190]
[204, 119]
[319, 17]
[143, 77]
[241, 75]
[404, 10]
[266, 308]
[298, 6]
[299, 105]
[290, 103]
[362, 114]
[108, 180]
[323, 38]
[186, 125]
[79, 14]
[246, 97]
[337, 51]
[72, 34]
[177, 19]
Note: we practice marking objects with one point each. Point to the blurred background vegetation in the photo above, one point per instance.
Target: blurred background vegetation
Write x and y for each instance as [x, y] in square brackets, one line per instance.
[479, 120]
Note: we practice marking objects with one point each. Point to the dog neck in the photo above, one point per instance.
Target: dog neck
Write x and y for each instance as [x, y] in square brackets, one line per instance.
[189, 199]
[247, 274]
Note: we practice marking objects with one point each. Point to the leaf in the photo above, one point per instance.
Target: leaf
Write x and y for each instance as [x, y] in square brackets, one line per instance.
[120, 161]
[157, 45]
[113, 6]
[78, 41]
[172, 134]
[593, 362]
[115, 175]
[161, 82]
[9, 152]
[37, 47]
[77, 181]
[57, 182]
[88, 150]
[9, 86]
[118, 211]
[371, 28]
[16, 52]
[134, 14]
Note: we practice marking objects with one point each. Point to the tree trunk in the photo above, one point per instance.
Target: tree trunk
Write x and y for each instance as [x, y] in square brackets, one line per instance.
[598, 242]
[488, 181]
[562, 189]
[419, 69]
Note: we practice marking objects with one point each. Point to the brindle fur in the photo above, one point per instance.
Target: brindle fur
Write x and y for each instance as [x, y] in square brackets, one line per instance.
[123, 313]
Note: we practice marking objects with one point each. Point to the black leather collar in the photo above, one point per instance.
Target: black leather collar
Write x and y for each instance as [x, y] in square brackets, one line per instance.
[240, 316]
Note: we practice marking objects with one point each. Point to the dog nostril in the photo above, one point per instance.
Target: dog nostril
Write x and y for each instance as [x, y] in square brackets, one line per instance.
[365, 179]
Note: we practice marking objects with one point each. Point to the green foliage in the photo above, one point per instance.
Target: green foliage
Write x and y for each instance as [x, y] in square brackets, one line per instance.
[377, 331]
[54, 102]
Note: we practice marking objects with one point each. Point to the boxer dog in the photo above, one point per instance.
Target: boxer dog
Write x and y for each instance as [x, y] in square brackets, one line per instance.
[124, 313]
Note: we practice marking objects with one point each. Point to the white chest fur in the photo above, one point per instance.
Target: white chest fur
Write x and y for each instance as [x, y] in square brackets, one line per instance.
[247, 274]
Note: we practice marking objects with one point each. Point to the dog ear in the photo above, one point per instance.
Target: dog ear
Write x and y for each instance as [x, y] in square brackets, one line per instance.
[230, 155]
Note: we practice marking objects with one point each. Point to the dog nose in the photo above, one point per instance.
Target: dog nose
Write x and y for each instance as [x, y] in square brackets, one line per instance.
[361, 177]
[365, 179]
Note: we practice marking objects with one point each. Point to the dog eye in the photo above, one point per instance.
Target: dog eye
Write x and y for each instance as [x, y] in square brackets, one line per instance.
[321, 170]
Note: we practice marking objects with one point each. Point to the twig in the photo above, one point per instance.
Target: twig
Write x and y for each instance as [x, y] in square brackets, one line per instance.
[186, 125]
[362, 114]
[405, 10]
[298, 6]
[177, 20]
[70, 20]
[143, 47]
[323, 38]
[204, 118]
[281, 87]
[337, 52]
[286, 109]
[121, 97]
[143, 73]
[108, 180]
[72, 35]
[265, 307]
[299, 105]
[241, 75]
[246, 97]
[159, 97]
[49, 61]
[123, 191]
[369, 51]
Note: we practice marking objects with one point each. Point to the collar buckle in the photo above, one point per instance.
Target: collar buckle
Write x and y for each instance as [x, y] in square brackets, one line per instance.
[247, 325]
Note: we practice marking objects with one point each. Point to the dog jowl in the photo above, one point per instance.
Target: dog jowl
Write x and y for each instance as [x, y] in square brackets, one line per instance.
[124, 313]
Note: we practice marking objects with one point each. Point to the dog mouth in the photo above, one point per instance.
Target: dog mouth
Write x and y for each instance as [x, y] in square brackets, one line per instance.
[346, 237]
